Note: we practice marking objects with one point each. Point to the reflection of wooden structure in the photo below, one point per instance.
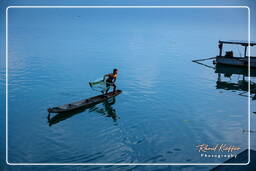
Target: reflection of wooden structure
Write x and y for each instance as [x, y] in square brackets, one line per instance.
[229, 59]
[229, 70]
[240, 85]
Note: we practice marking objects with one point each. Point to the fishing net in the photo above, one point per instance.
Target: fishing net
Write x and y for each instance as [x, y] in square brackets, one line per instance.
[98, 85]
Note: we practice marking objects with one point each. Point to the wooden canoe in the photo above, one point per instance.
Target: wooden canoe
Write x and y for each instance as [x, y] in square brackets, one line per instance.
[83, 103]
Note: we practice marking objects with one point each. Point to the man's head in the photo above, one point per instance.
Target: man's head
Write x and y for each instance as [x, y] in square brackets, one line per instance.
[115, 71]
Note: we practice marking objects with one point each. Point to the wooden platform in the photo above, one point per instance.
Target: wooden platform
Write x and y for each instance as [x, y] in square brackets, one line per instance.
[241, 158]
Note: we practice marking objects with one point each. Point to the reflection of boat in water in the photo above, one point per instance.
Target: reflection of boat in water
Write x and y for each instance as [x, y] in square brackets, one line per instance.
[230, 70]
[107, 110]
[60, 117]
[240, 85]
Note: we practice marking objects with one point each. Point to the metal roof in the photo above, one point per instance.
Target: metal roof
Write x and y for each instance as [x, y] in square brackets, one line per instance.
[238, 42]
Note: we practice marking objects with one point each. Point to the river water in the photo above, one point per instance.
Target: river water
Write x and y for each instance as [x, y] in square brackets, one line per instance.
[168, 106]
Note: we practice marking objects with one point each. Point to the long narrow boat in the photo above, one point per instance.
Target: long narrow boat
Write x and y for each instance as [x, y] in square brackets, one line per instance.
[83, 103]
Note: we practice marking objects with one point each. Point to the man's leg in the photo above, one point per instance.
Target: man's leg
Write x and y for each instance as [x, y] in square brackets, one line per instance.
[114, 87]
[108, 87]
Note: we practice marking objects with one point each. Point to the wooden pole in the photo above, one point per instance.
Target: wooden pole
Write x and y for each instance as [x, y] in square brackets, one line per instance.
[245, 50]
[219, 76]
[220, 47]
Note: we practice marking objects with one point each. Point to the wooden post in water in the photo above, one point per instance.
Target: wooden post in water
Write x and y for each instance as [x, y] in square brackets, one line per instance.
[219, 76]
[245, 50]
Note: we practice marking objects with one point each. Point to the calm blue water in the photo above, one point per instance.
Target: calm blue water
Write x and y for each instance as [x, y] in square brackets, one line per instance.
[169, 104]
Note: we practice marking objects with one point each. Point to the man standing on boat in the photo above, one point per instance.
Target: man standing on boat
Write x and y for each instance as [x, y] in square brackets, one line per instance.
[111, 79]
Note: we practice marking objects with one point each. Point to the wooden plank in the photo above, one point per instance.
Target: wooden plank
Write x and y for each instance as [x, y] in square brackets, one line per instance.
[241, 158]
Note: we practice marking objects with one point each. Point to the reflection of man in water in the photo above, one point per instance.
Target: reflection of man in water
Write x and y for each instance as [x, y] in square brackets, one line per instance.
[108, 110]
